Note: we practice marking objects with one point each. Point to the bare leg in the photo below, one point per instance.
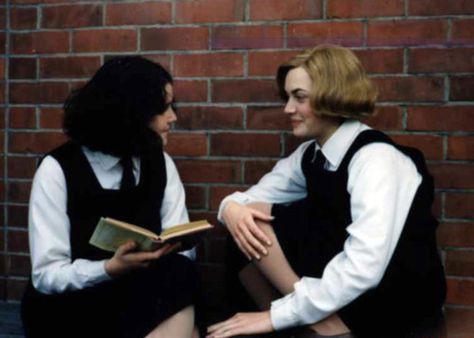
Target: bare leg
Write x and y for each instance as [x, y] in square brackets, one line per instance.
[277, 270]
[180, 325]
[258, 287]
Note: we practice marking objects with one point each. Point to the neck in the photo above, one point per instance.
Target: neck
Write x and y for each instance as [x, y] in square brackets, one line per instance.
[331, 125]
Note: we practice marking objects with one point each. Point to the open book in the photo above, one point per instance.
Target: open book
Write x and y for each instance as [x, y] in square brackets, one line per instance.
[110, 233]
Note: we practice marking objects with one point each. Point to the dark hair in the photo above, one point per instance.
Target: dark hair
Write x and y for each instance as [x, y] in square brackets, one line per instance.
[112, 112]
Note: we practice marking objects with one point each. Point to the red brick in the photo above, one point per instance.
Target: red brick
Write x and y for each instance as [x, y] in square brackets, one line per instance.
[291, 142]
[430, 145]
[453, 176]
[210, 11]
[272, 118]
[2, 118]
[34, 142]
[462, 32]
[105, 40]
[230, 144]
[460, 147]
[459, 322]
[410, 88]
[436, 60]
[3, 21]
[461, 88]
[195, 197]
[22, 68]
[456, 234]
[440, 7]
[22, 117]
[187, 144]
[71, 16]
[460, 291]
[267, 62]
[15, 289]
[437, 205]
[23, 18]
[2, 68]
[190, 91]
[407, 32]
[248, 90]
[18, 265]
[21, 167]
[459, 205]
[285, 10]
[190, 38]
[364, 8]
[38, 92]
[247, 37]
[217, 194]
[451, 118]
[18, 216]
[51, 118]
[222, 64]
[386, 118]
[2, 146]
[201, 171]
[17, 241]
[69, 67]
[254, 170]
[312, 34]
[460, 263]
[144, 13]
[2, 41]
[2, 92]
[381, 60]
[202, 117]
[40, 42]
[162, 59]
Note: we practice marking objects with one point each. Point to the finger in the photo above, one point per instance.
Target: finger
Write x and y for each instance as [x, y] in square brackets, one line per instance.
[261, 215]
[219, 326]
[248, 248]
[259, 233]
[242, 249]
[254, 243]
[126, 247]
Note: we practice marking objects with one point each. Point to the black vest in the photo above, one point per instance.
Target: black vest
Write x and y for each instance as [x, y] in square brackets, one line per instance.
[413, 284]
[87, 201]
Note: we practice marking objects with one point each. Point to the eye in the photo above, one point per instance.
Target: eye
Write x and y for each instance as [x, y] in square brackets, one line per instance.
[301, 98]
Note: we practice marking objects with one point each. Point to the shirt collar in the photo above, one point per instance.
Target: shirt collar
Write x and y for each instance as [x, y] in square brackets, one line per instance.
[106, 161]
[337, 145]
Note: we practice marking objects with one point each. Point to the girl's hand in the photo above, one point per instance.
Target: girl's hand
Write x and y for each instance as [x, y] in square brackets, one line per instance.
[126, 259]
[242, 324]
[240, 220]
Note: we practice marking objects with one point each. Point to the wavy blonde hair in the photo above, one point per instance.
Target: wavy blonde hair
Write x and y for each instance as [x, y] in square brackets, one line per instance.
[340, 84]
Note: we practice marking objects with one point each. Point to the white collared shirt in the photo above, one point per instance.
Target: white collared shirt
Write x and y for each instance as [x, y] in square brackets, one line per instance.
[49, 226]
[382, 183]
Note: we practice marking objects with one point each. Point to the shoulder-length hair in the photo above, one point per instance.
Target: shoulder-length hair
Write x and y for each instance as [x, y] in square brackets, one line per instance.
[112, 112]
[340, 84]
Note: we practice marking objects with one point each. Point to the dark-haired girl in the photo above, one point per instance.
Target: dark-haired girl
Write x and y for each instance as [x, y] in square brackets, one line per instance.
[112, 166]
[355, 253]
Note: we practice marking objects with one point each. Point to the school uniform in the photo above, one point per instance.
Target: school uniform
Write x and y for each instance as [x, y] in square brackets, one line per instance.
[359, 232]
[70, 293]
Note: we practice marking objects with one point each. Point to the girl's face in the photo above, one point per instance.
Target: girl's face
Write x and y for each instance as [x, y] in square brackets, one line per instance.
[161, 124]
[305, 123]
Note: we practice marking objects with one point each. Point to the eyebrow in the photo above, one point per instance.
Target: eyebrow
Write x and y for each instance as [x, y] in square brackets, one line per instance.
[296, 90]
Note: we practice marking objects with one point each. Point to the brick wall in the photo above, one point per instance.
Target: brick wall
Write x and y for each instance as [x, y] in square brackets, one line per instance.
[223, 55]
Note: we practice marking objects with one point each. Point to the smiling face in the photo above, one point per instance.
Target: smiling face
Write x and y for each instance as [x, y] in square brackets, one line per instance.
[305, 123]
[161, 124]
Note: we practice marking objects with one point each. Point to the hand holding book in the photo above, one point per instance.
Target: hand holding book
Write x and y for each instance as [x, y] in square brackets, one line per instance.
[110, 234]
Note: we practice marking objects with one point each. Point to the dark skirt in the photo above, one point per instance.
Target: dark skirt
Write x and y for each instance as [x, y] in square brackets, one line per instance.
[129, 306]
[395, 312]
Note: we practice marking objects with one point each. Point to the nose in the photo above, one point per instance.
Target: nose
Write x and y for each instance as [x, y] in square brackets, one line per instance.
[289, 107]
[172, 115]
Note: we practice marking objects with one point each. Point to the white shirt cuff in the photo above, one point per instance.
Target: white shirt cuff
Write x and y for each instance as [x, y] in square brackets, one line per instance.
[238, 197]
[281, 315]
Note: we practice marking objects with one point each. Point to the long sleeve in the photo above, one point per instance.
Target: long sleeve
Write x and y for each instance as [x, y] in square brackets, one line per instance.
[285, 183]
[382, 184]
[53, 271]
[173, 209]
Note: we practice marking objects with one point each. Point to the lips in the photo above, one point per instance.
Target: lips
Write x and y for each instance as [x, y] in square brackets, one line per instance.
[296, 123]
